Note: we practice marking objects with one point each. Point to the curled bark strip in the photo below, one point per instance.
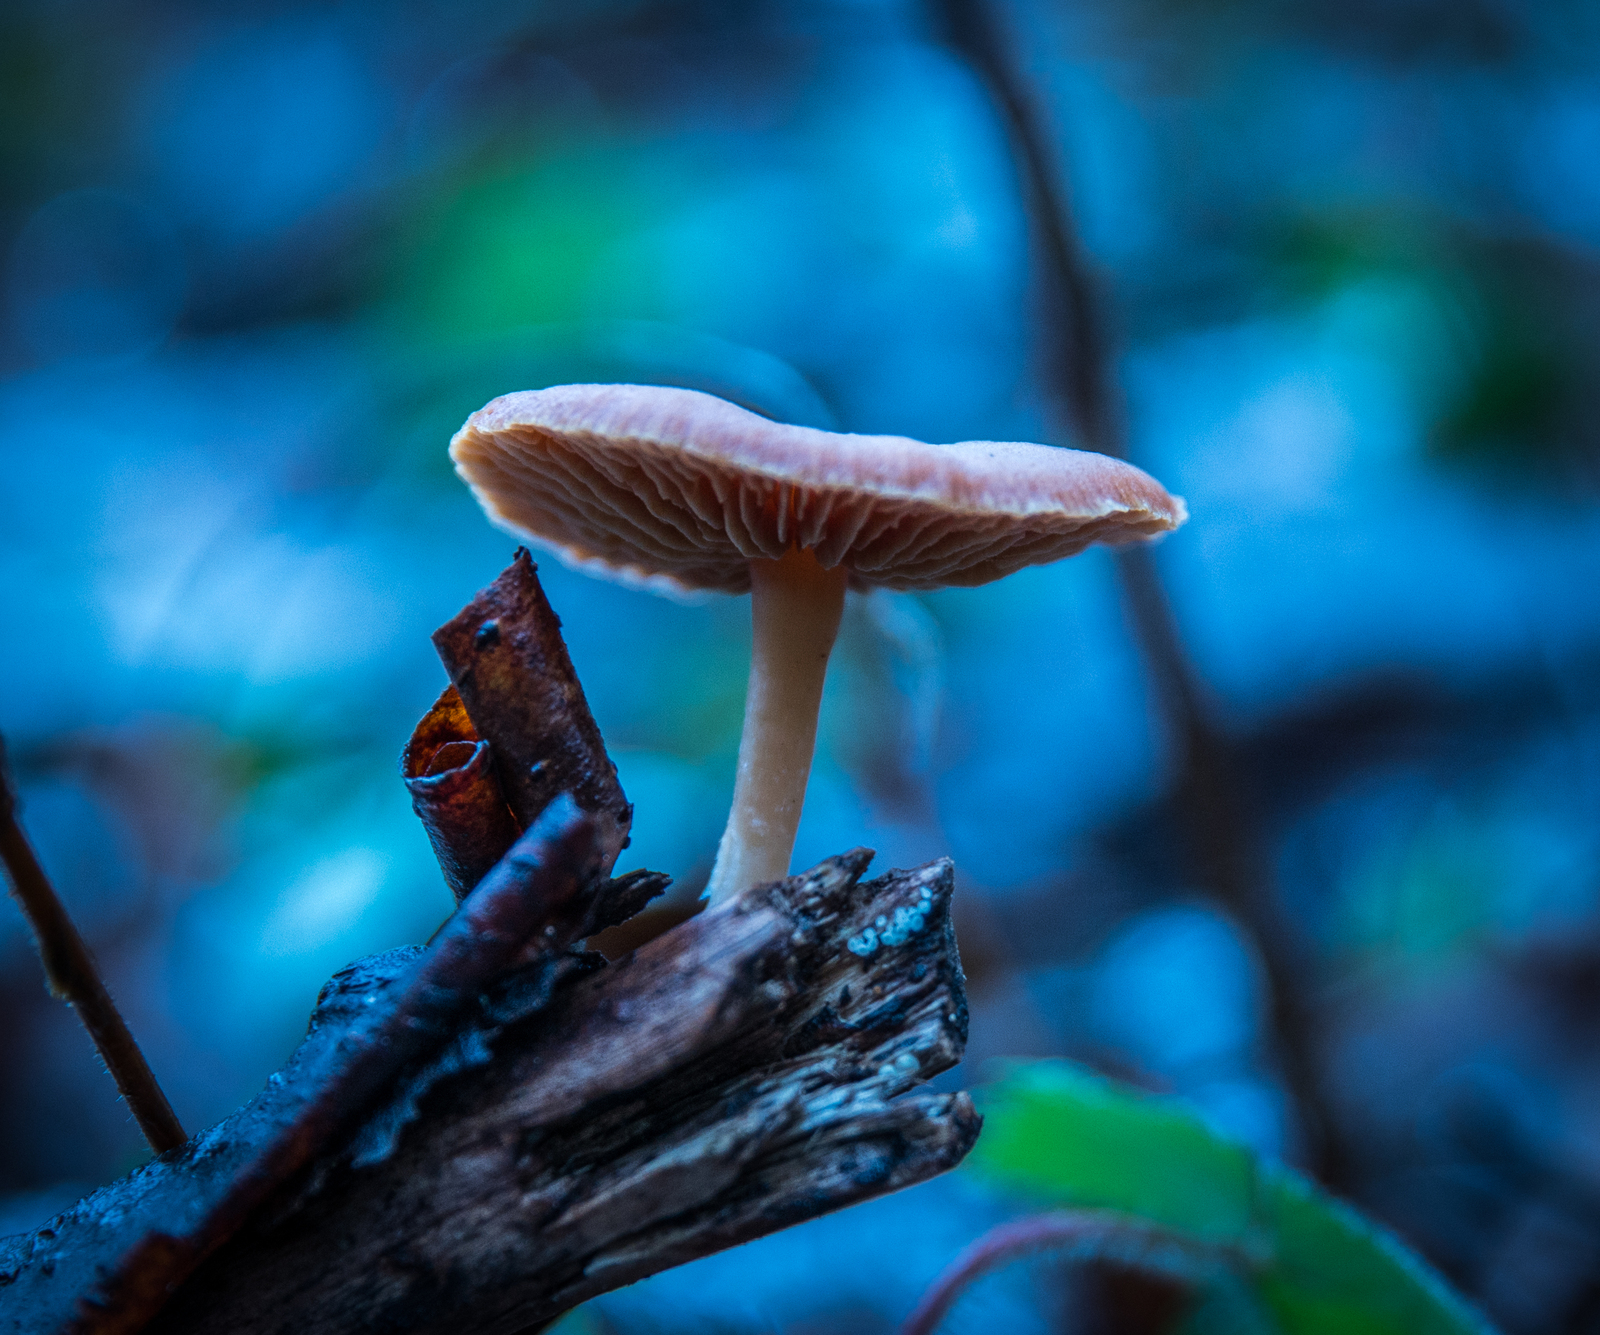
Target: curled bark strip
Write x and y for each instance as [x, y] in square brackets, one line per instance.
[1098, 1235]
[449, 772]
[108, 1265]
[71, 974]
[505, 654]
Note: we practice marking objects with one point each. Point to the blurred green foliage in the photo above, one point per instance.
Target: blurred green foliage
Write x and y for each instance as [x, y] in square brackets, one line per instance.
[531, 246]
[1069, 1138]
[1495, 341]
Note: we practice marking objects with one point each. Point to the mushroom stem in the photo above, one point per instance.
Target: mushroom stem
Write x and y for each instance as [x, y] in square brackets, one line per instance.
[795, 606]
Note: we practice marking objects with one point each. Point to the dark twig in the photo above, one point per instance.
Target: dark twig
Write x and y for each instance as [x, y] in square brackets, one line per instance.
[72, 976]
[1082, 365]
[536, 901]
[1086, 1235]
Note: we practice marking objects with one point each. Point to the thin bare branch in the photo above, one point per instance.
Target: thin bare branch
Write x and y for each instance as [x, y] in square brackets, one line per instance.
[72, 976]
[1084, 1235]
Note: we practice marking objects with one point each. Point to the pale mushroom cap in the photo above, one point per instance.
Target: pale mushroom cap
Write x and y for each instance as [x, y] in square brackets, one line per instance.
[670, 486]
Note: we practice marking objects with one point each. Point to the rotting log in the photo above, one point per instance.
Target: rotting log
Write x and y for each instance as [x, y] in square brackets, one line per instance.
[750, 1069]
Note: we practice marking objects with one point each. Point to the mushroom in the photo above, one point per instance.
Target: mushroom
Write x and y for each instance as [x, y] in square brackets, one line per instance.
[679, 491]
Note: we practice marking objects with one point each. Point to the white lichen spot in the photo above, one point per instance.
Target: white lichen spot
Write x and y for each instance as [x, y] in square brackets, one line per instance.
[864, 944]
[905, 922]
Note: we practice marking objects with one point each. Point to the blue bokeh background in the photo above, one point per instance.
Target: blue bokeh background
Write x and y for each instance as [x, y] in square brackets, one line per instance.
[262, 259]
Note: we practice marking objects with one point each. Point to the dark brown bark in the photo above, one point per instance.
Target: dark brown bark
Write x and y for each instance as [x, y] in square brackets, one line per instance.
[109, 1264]
[506, 657]
[748, 1070]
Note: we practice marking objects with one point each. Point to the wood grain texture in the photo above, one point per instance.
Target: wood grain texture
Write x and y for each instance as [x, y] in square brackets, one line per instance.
[744, 1072]
[385, 1031]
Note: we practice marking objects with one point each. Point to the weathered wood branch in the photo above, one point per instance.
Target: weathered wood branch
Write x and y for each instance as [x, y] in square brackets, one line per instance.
[746, 1071]
[112, 1261]
[476, 1135]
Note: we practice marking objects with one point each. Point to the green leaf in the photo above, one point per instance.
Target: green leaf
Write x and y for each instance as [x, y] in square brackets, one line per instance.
[1075, 1138]
[1071, 1138]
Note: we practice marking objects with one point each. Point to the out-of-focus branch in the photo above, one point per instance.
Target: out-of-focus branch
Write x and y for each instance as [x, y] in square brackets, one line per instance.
[1223, 844]
[72, 976]
[1168, 1259]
